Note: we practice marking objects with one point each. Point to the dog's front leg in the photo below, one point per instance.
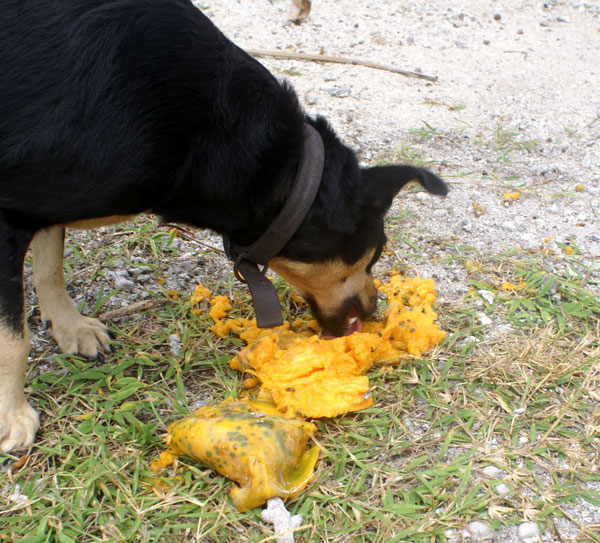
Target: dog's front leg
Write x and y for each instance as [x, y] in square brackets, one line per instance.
[73, 332]
[18, 421]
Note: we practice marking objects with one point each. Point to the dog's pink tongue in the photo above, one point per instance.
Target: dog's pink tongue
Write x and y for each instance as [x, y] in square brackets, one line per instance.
[354, 325]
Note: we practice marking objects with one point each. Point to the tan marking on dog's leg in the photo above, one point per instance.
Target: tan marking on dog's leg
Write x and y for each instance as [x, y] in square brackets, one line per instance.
[88, 224]
[18, 420]
[73, 332]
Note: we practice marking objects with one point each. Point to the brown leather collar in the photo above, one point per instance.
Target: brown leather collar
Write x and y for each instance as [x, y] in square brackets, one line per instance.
[246, 260]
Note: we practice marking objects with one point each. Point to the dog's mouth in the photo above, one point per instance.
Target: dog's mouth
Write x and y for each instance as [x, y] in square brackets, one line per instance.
[353, 324]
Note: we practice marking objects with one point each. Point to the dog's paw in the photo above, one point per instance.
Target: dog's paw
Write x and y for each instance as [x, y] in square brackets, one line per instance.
[76, 334]
[18, 426]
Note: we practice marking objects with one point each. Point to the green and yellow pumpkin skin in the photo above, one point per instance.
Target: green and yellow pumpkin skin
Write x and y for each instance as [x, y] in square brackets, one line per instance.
[250, 443]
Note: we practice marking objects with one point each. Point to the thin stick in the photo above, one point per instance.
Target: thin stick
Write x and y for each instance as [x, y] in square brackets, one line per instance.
[132, 308]
[338, 60]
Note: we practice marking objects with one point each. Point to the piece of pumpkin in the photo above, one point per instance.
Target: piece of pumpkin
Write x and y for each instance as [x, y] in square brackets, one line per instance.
[250, 443]
[316, 377]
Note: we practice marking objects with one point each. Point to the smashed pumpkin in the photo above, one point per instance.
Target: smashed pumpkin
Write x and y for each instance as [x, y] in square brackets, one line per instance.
[314, 377]
[249, 443]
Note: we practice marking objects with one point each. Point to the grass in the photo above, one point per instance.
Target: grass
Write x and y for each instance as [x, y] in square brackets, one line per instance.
[408, 469]
[520, 394]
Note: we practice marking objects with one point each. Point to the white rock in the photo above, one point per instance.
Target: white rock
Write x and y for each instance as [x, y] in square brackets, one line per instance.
[492, 471]
[529, 532]
[487, 295]
[484, 320]
[479, 531]
[502, 489]
[175, 344]
[283, 523]
[16, 496]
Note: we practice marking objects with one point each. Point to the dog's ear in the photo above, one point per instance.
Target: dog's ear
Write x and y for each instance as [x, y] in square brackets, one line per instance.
[382, 183]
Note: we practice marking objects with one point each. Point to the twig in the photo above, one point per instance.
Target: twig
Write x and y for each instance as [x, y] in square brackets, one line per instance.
[338, 60]
[132, 308]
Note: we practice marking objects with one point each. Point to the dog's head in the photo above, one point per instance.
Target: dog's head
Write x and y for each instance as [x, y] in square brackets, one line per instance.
[330, 257]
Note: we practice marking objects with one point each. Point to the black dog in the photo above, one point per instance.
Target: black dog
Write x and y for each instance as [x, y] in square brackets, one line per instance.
[113, 108]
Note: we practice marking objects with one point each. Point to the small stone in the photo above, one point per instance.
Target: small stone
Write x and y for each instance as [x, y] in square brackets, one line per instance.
[175, 344]
[492, 471]
[487, 295]
[17, 497]
[479, 531]
[483, 319]
[510, 226]
[529, 532]
[122, 282]
[283, 523]
[310, 97]
[502, 489]
[138, 270]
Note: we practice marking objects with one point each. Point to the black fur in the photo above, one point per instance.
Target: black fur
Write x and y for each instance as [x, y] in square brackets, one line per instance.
[118, 107]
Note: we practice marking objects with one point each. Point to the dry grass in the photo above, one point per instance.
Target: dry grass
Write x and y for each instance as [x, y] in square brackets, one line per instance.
[525, 399]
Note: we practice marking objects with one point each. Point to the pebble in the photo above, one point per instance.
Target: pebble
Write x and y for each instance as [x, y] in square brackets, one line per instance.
[310, 97]
[529, 532]
[139, 270]
[283, 523]
[502, 489]
[479, 531]
[175, 344]
[343, 92]
[452, 536]
[487, 295]
[492, 471]
[483, 319]
[510, 226]
[123, 282]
